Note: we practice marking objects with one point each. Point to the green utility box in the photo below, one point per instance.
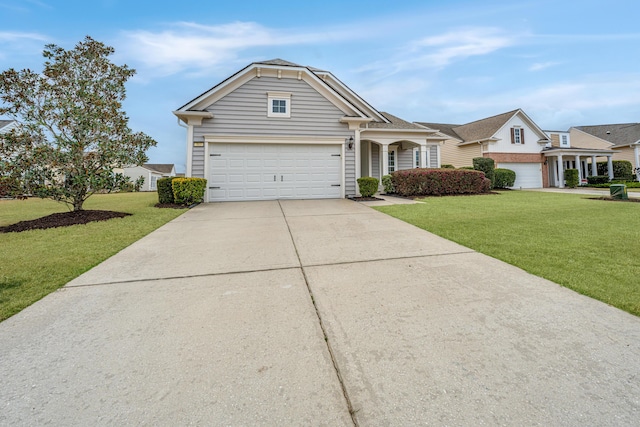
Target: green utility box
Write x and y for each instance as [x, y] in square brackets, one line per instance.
[618, 191]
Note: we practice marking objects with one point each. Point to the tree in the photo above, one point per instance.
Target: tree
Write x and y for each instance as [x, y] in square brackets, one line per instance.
[72, 131]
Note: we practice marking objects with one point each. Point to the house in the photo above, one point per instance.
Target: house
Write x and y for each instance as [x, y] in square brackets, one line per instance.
[7, 125]
[516, 142]
[151, 172]
[279, 130]
[623, 139]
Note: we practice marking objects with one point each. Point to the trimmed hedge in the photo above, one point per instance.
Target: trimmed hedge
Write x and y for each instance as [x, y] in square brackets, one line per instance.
[622, 169]
[598, 179]
[187, 191]
[368, 186]
[387, 183]
[486, 165]
[571, 176]
[447, 167]
[439, 182]
[504, 178]
[165, 190]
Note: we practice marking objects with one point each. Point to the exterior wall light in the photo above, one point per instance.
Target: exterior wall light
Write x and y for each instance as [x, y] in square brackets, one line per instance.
[350, 143]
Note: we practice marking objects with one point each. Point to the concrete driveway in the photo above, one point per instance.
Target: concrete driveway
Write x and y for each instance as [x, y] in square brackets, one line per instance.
[314, 313]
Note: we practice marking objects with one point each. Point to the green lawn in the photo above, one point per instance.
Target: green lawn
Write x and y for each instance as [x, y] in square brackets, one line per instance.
[35, 263]
[590, 246]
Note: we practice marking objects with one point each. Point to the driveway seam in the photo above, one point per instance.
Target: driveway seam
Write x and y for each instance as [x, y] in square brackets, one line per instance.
[334, 361]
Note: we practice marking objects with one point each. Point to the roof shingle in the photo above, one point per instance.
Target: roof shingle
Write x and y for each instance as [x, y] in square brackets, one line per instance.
[617, 134]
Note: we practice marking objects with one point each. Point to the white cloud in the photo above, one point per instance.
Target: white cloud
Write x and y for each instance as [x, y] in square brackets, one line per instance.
[195, 47]
[538, 66]
[16, 36]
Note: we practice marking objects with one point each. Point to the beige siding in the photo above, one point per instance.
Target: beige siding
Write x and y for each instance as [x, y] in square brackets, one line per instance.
[555, 139]
[625, 153]
[581, 139]
[459, 156]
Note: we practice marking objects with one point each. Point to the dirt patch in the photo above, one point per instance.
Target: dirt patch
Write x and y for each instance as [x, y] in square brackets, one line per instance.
[609, 199]
[63, 219]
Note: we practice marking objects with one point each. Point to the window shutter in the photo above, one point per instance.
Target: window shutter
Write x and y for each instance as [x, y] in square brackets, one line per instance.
[513, 138]
[521, 135]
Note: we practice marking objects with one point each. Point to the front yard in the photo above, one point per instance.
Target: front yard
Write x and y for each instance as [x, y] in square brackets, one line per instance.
[590, 246]
[37, 262]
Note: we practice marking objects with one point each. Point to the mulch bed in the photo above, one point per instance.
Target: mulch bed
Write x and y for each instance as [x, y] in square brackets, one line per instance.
[365, 199]
[169, 206]
[63, 219]
[609, 199]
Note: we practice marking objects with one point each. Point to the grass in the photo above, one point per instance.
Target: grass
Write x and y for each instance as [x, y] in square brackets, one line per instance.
[36, 263]
[590, 246]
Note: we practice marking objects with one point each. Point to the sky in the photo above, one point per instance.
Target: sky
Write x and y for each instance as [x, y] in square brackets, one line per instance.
[565, 63]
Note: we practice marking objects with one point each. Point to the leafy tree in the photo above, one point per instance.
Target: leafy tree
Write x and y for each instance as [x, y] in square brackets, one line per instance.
[72, 131]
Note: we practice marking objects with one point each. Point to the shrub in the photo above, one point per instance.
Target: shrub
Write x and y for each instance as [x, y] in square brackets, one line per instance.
[387, 183]
[467, 168]
[486, 165]
[165, 190]
[187, 191]
[598, 179]
[622, 169]
[504, 178]
[571, 177]
[448, 167]
[439, 182]
[368, 186]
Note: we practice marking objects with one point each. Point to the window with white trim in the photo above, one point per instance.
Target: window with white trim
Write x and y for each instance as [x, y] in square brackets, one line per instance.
[153, 183]
[416, 158]
[278, 104]
[564, 141]
[392, 160]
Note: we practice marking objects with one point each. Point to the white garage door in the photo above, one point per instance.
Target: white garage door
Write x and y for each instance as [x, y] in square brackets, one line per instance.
[274, 171]
[528, 175]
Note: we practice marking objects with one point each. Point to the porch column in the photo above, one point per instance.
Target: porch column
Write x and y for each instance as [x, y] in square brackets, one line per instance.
[560, 172]
[594, 166]
[636, 161]
[610, 166]
[552, 163]
[384, 152]
[357, 154]
[423, 155]
[579, 167]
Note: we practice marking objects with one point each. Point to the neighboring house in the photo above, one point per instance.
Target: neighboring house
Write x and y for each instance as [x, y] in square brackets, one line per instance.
[623, 139]
[151, 172]
[516, 142]
[277, 130]
[7, 125]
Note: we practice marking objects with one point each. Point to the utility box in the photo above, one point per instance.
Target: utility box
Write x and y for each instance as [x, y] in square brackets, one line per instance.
[618, 191]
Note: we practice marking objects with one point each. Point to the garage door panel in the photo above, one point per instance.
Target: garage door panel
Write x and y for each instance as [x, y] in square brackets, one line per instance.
[528, 175]
[272, 171]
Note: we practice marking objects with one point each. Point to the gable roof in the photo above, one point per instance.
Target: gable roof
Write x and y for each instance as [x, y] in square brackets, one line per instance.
[620, 134]
[159, 167]
[483, 129]
[394, 122]
[6, 125]
[323, 81]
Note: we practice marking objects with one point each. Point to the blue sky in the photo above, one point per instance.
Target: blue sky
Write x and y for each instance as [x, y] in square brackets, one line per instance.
[566, 63]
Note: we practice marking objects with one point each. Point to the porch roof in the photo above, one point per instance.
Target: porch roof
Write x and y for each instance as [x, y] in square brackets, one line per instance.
[396, 123]
[576, 151]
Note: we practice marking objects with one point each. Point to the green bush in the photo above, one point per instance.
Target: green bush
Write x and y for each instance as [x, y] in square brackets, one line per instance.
[467, 168]
[504, 178]
[571, 177]
[598, 179]
[387, 183]
[447, 167]
[622, 169]
[486, 165]
[165, 190]
[368, 186]
[187, 191]
[439, 182]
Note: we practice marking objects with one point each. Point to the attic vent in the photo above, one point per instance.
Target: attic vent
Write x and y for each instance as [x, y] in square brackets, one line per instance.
[608, 132]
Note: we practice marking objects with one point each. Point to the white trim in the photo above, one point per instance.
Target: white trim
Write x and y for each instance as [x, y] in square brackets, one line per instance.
[207, 172]
[262, 139]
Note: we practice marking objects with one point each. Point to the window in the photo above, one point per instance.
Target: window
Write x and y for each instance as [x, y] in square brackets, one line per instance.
[152, 183]
[564, 141]
[392, 160]
[417, 158]
[279, 104]
[517, 136]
